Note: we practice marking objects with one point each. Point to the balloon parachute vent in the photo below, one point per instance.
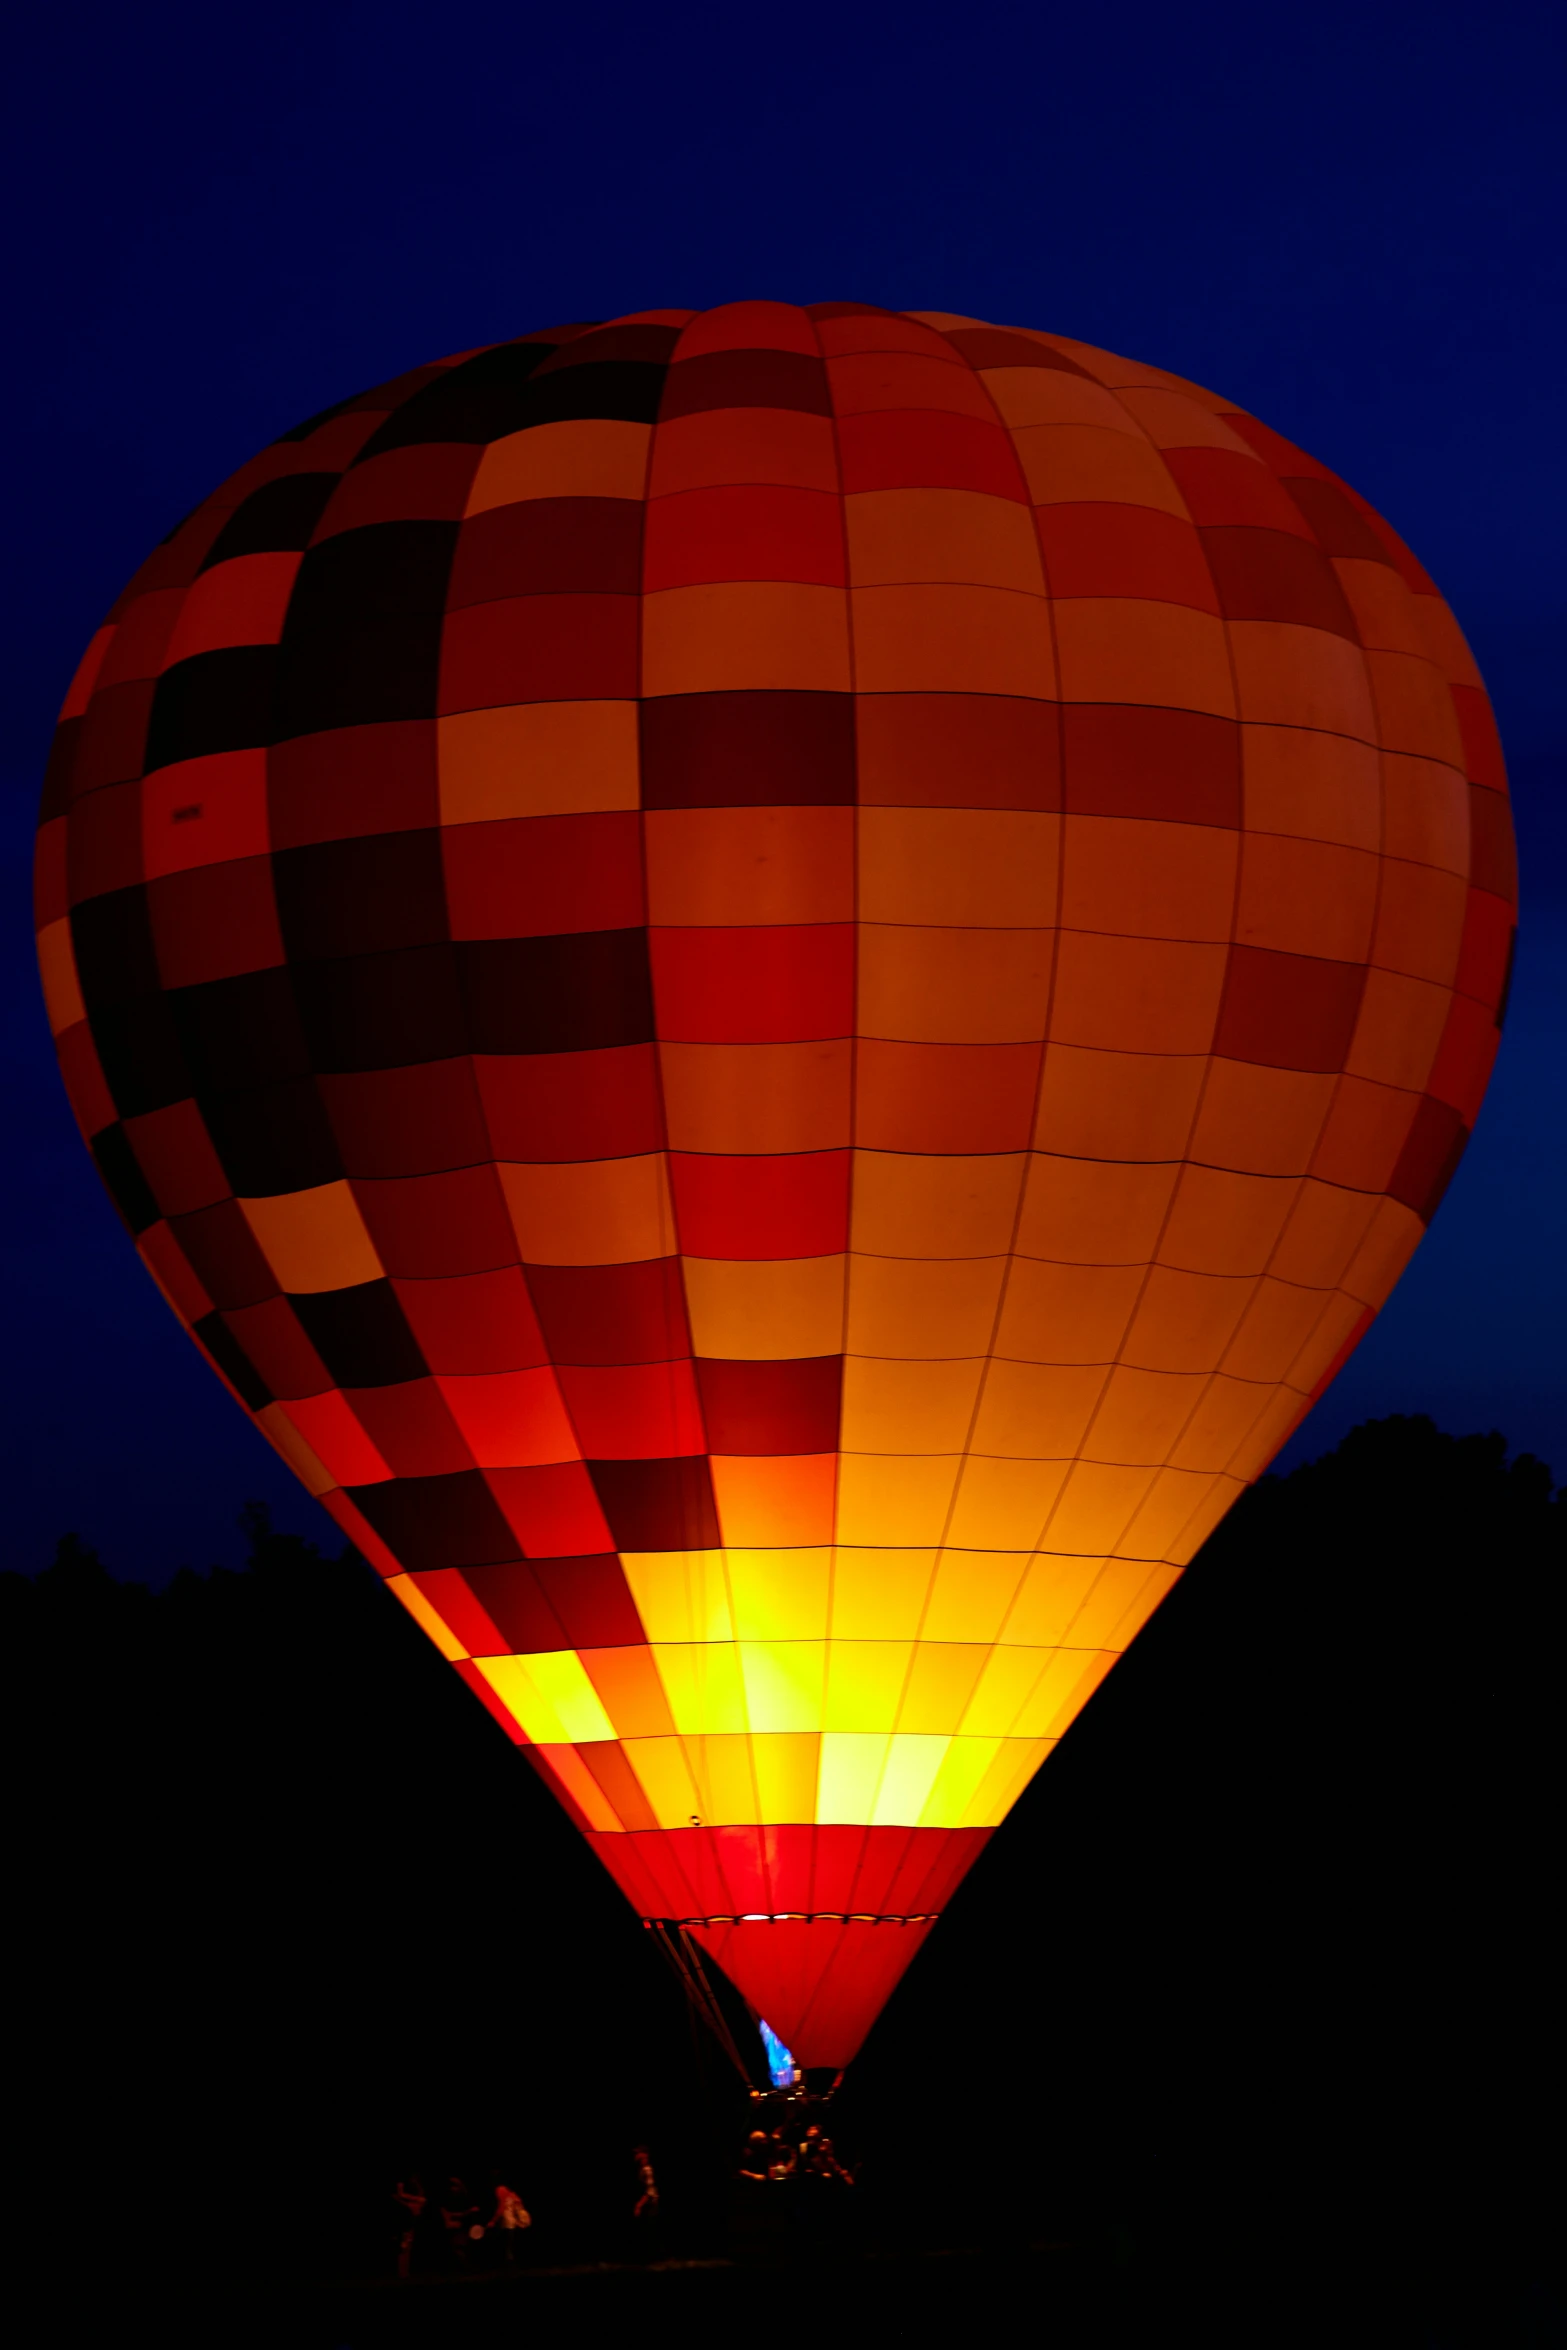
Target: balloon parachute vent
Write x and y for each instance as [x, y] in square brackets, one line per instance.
[781, 2068]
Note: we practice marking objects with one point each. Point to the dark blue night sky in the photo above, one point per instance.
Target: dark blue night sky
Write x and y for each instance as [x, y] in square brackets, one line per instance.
[1348, 219]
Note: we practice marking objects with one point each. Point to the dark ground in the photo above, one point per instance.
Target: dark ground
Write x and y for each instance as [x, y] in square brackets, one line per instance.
[1246, 2025]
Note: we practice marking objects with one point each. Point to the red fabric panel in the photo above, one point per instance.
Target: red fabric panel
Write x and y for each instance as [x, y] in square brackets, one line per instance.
[175, 1154]
[592, 1599]
[540, 648]
[1288, 1011]
[452, 1598]
[412, 1121]
[1482, 743]
[820, 1986]
[563, 1106]
[353, 781]
[771, 1407]
[794, 1206]
[541, 876]
[553, 1511]
[1220, 486]
[484, 1322]
[748, 532]
[744, 986]
[438, 1226]
[634, 1411]
[215, 922]
[1486, 947]
[1117, 550]
[1177, 766]
[428, 482]
[928, 448]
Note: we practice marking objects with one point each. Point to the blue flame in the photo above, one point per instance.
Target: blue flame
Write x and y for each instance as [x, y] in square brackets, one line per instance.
[780, 2064]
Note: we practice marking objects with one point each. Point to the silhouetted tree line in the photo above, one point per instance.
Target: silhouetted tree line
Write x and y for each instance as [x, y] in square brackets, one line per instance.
[1263, 1968]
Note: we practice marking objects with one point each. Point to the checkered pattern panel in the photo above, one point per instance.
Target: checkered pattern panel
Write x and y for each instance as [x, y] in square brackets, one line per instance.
[776, 986]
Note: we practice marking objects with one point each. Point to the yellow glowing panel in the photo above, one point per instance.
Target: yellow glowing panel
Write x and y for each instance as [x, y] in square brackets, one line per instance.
[1326, 1226]
[1050, 1598]
[1016, 1761]
[935, 1309]
[1093, 1211]
[865, 1680]
[1141, 1414]
[765, 1311]
[1097, 1504]
[907, 1205]
[424, 1615]
[1104, 1607]
[1261, 1121]
[786, 1773]
[550, 1695]
[703, 1686]
[907, 1407]
[907, 1777]
[680, 1594]
[1029, 1410]
[780, 1594]
[971, 1593]
[314, 1240]
[1120, 1106]
[1229, 1410]
[724, 1769]
[1184, 1321]
[962, 1772]
[1067, 1313]
[1276, 1325]
[851, 1768]
[1002, 1690]
[899, 1499]
[941, 1682]
[1384, 1252]
[664, 1776]
[784, 1681]
[1064, 1686]
[879, 1594]
[1227, 1489]
[1004, 1504]
[603, 1212]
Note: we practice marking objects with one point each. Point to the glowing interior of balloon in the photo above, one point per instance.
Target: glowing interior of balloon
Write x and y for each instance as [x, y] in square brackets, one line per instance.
[777, 987]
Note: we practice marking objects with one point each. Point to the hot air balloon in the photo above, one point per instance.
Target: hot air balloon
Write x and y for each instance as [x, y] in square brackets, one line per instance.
[776, 986]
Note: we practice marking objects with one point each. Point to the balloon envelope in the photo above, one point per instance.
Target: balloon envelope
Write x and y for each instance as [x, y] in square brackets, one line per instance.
[776, 986]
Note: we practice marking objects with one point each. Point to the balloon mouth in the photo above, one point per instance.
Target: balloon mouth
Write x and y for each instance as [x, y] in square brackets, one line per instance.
[817, 1979]
[802, 1917]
